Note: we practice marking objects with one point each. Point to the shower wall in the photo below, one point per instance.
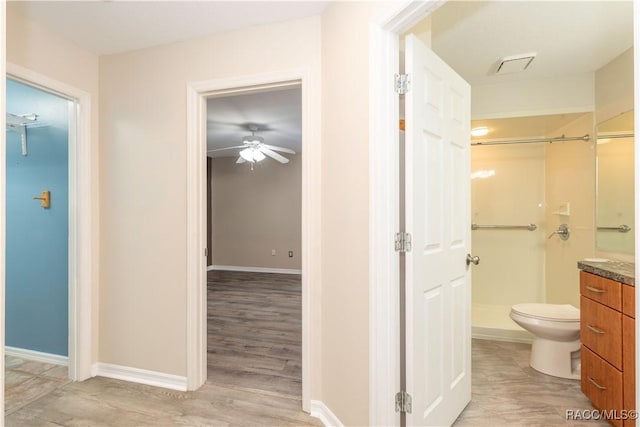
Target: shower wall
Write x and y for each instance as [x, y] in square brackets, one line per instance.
[540, 183]
[507, 188]
[37, 238]
[570, 178]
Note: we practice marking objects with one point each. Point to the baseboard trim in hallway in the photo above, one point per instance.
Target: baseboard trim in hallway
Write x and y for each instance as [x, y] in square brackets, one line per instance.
[324, 414]
[36, 356]
[140, 376]
[253, 269]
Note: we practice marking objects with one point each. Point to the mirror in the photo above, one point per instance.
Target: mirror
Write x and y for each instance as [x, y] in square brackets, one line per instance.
[615, 185]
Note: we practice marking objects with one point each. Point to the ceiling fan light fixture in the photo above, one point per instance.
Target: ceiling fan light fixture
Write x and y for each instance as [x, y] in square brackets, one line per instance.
[258, 156]
[247, 154]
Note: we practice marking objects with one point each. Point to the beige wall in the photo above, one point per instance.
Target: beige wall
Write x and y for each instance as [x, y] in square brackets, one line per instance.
[537, 97]
[255, 211]
[345, 209]
[143, 321]
[570, 177]
[37, 49]
[614, 87]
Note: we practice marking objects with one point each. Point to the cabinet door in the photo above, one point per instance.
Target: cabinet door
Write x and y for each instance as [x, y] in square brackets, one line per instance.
[601, 330]
[601, 289]
[601, 383]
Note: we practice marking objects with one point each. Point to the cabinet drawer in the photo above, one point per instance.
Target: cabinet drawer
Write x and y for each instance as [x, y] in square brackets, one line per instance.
[601, 330]
[628, 363]
[601, 383]
[603, 290]
[629, 300]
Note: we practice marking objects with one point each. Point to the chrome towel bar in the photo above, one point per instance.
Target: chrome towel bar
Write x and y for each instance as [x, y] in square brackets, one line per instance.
[529, 227]
[622, 228]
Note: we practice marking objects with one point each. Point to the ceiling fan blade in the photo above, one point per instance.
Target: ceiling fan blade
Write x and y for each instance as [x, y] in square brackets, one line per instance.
[225, 148]
[281, 149]
[273, 155]
[241, 160]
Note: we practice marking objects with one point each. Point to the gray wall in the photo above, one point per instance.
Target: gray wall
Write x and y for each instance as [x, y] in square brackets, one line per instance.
[256, 211]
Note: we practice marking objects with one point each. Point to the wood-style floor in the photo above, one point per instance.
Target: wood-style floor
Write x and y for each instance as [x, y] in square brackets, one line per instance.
[253, 369]
[255, 332]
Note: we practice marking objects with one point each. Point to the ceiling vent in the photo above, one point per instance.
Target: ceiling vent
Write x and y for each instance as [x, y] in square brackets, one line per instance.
[515, 63]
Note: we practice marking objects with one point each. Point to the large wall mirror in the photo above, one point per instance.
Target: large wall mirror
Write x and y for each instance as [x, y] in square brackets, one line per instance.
[615, 185]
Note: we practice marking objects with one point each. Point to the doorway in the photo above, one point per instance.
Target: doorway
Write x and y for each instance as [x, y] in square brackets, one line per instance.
[254, 276]
[197, 95]
[386, 46]
[76, 351]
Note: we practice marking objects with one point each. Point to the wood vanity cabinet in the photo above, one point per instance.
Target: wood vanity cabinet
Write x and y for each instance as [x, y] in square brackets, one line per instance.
[607, 332]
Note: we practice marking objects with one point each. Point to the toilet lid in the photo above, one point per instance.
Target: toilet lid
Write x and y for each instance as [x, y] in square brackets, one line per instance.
[557, 312]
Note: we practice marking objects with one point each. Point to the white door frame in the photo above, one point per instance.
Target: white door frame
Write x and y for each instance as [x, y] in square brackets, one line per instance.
[197, 93]
[81, 256]
[384, 267]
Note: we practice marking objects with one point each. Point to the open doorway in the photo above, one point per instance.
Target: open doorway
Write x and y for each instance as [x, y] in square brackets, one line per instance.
[254, 221]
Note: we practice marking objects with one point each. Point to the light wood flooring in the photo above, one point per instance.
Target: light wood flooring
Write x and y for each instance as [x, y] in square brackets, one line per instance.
[254, 376]
[253, 368]
[255, 332]
[506, 391]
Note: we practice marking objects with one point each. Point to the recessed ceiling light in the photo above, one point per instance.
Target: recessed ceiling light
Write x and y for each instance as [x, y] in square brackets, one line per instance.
[480, 131]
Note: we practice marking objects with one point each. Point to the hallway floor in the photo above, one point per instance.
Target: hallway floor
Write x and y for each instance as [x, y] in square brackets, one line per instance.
[254, 370]
[506, 391]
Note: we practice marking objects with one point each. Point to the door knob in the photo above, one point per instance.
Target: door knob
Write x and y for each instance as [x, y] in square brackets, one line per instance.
[475, 260]
[45, 199]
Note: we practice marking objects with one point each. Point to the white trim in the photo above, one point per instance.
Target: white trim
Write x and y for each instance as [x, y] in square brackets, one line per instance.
[636, 92]
[324, 414]
[254, 269]
[384, 273]
[141, 376]
[81, 257]
[197, 92]
[495, 334]
[3, 167]
[36, 356]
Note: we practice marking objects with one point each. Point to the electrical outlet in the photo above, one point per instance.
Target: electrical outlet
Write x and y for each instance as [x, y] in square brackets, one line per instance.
[273, 252]
[290, 254]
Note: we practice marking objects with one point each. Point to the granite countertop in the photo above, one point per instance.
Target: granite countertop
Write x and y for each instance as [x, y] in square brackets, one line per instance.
[620, 271]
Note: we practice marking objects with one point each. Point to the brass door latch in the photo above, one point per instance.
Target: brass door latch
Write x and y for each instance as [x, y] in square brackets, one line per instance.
[45, 199]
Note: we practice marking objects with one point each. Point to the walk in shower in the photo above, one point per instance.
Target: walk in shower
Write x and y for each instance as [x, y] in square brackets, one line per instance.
[529, 176]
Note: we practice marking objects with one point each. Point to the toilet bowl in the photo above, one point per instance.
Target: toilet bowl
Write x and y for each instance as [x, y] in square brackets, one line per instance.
[556, 343]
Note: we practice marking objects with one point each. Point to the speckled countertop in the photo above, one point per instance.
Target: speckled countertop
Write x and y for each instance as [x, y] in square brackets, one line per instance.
[620, 271]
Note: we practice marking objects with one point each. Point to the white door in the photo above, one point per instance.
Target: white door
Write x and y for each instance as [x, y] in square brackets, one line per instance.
[438, 282]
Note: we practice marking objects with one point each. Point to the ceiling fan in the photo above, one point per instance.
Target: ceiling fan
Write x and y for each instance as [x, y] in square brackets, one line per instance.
[253, 149]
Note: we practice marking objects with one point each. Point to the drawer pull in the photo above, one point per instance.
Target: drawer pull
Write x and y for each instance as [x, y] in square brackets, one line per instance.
[596, 330]
[598, 386]
[592, 289]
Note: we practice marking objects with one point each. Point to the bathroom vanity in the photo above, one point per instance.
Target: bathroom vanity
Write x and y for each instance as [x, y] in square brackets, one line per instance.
[607, 332]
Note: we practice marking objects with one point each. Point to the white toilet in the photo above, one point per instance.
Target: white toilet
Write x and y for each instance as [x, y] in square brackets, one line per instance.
[555, 348]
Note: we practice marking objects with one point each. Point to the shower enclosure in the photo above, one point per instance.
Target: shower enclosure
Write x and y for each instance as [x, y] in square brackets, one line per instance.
[533, 175]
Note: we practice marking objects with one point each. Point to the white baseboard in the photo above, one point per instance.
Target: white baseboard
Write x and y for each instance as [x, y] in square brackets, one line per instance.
[324, 414]
[36, 356]
[254, 269]
[141, 376]
[495, 334]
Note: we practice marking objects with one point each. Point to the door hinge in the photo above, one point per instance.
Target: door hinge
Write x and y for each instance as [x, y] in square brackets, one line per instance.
[206, 251]
[403, 242]
[402, 83]
[403, 402]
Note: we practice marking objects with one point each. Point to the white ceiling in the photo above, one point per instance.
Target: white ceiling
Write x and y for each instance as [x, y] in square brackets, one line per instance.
[278, 115]
[106, 27]
[569, 37]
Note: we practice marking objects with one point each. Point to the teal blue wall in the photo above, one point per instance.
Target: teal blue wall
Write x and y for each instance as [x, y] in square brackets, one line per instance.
[37, 238]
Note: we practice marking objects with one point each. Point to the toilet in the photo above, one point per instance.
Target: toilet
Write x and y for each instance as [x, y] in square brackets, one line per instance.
[556, 343]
